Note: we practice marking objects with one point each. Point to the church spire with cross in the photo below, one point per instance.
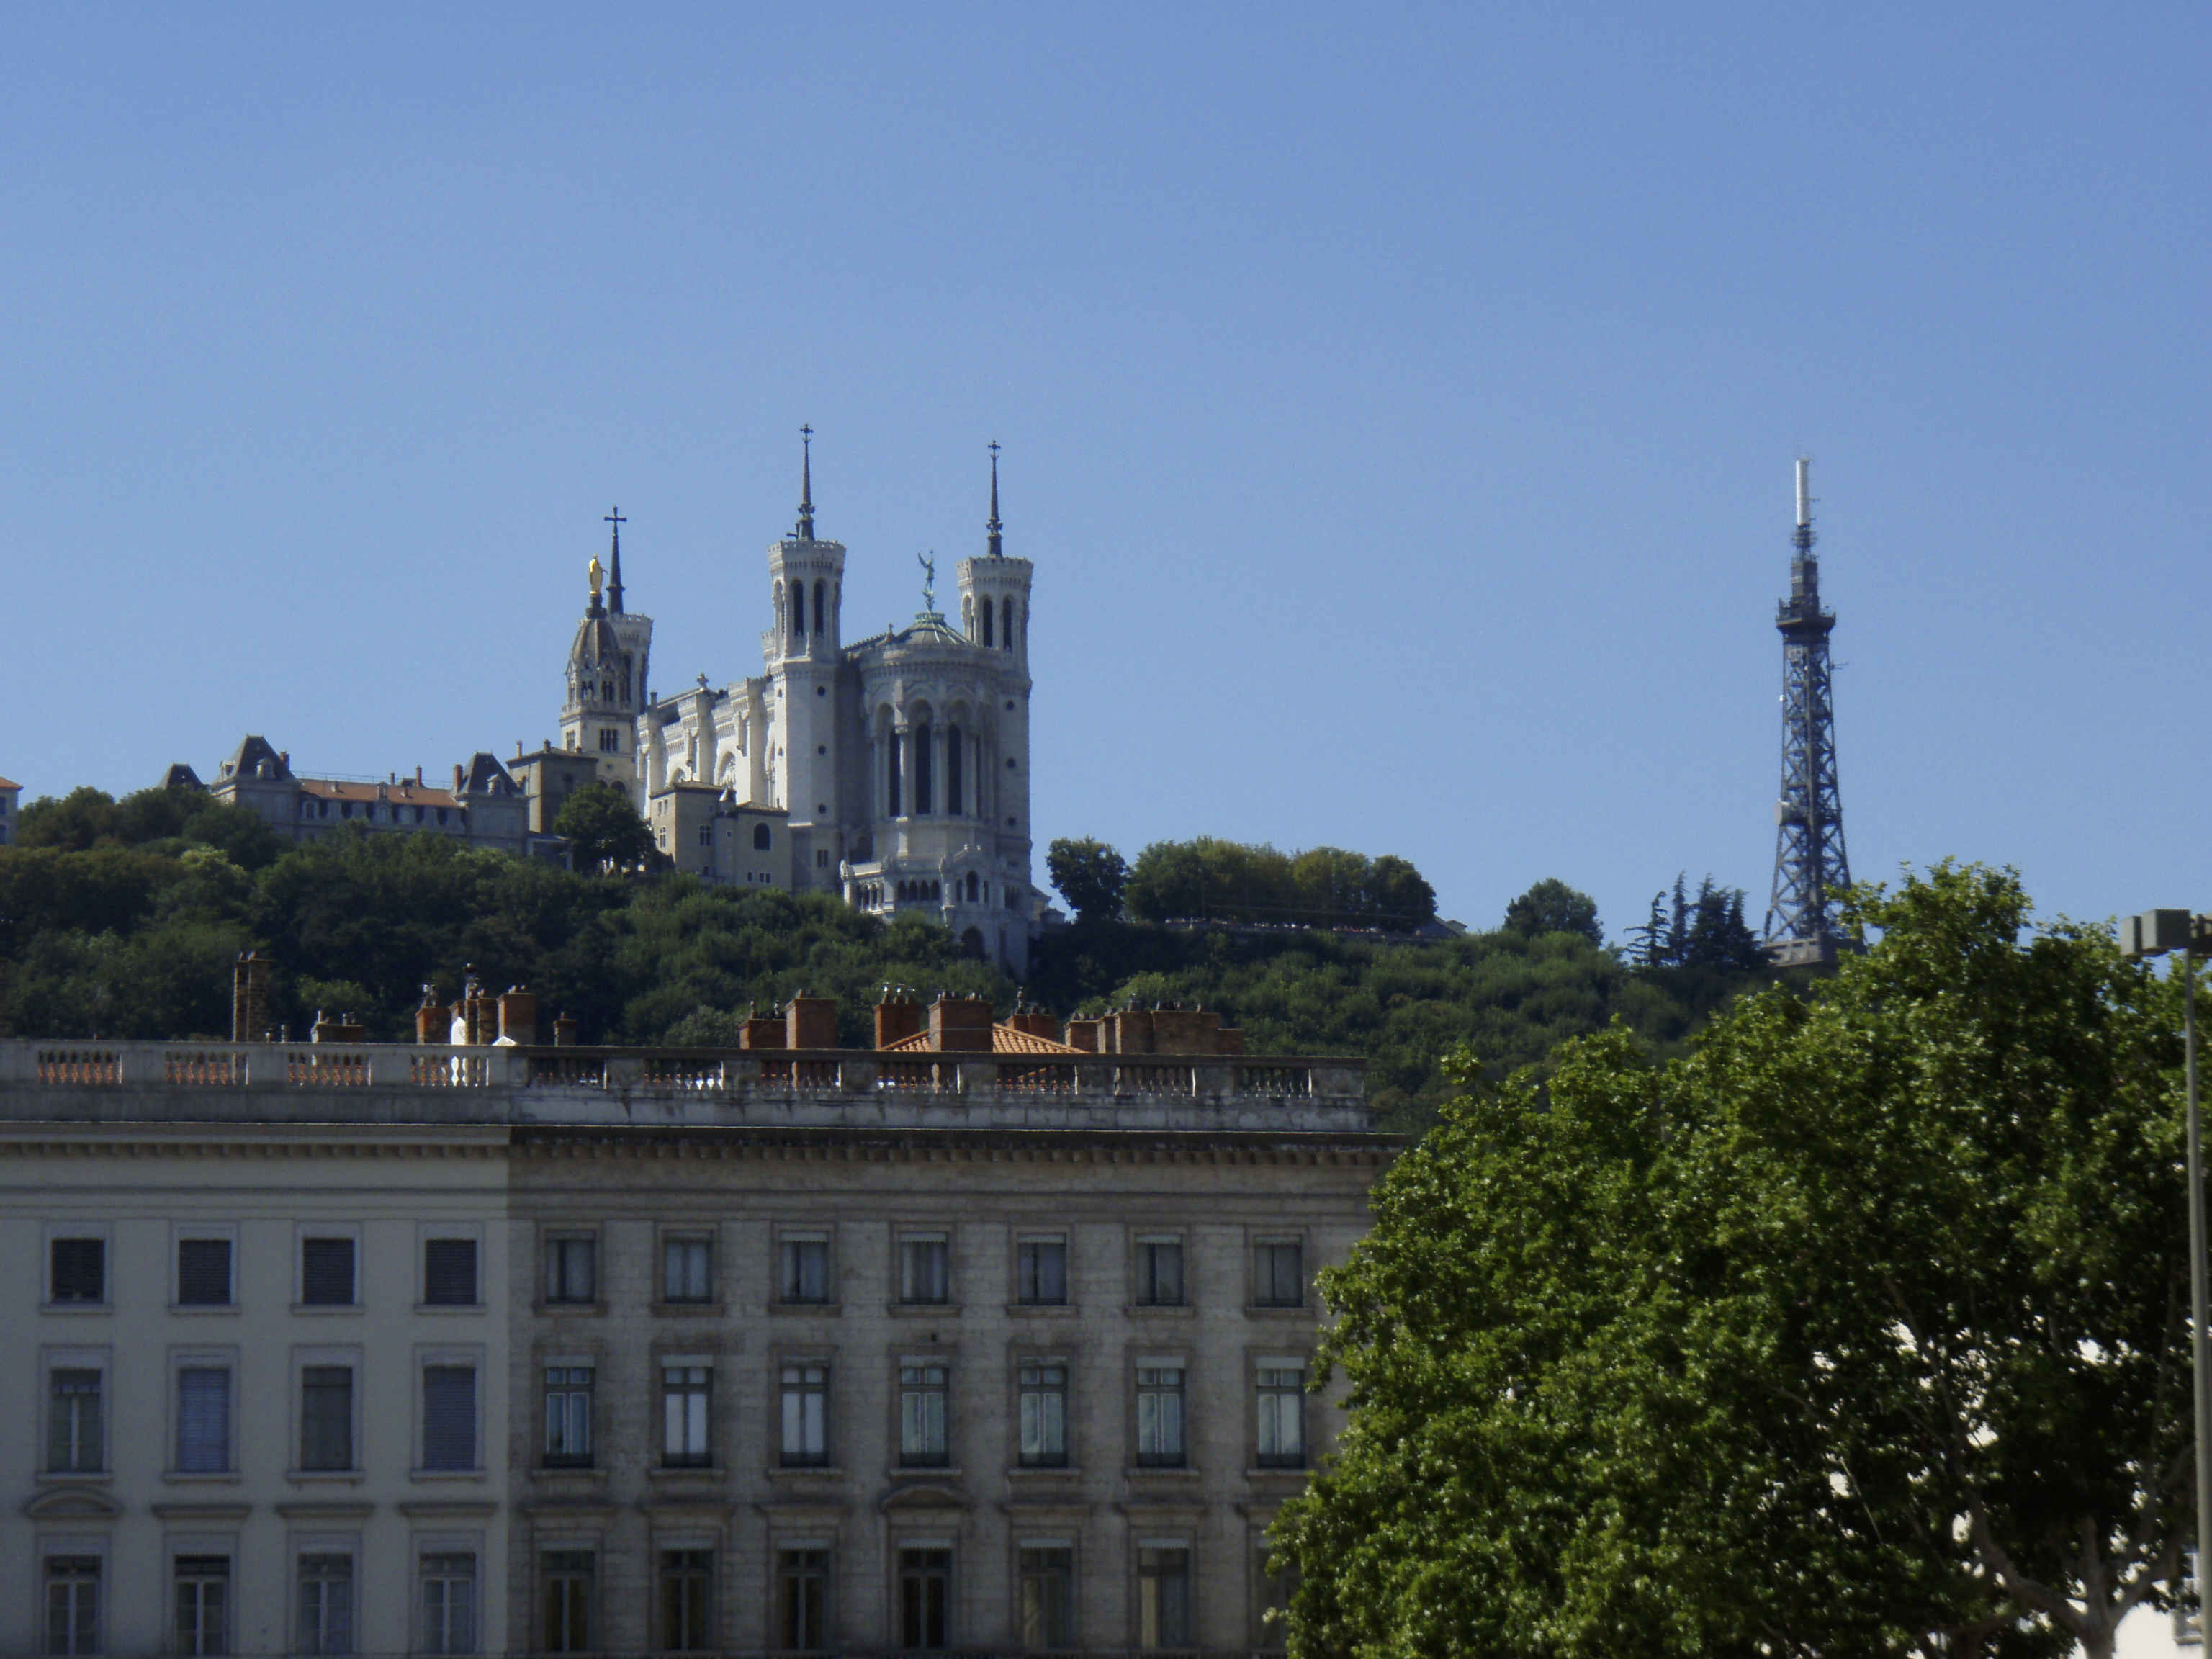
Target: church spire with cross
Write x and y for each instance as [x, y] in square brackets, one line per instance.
[614, 570]
[994, 527]
[807, 483]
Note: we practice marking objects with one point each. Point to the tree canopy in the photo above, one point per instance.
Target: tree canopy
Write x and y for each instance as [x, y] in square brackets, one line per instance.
[603, 830]
[1215, 880]
[1089, 875]
[1857, 1330]
[1552, 907]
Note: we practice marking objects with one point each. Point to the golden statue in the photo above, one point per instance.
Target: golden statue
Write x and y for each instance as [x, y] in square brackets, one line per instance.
[596, 573]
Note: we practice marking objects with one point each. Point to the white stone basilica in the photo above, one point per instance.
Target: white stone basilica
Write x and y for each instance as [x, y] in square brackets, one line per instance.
[893, 771]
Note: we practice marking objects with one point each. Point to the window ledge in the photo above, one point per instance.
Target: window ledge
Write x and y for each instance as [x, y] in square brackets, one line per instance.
[568, 1309]
[922, 1309]
[1280, 1472]
[804, 1309]
[355, 1309]
[446, 1475]
[1042, 1310]
[326, 1477]
[923, 1472]
[197, 1309]
[449, 1308]
[1149, 1471]
[1159, 1310]
[564, 1472]
[77, 1308]
[688, 1310]
[806, 1472]
[199, 1478]
[1044, 1471]
[684, 1472]
[1277, 1310]
[73, 1477]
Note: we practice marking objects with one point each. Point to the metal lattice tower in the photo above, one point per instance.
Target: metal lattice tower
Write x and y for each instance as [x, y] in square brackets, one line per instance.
[1802, 924]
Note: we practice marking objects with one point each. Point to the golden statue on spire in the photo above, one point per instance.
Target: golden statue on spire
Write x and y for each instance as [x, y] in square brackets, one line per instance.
[596, 573]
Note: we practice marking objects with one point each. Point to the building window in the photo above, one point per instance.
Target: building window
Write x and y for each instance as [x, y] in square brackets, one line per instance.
[204, 1272]
[1042, 1269]
[925, 1274]
[325, 1605]
[686, 1269]
[686, 1579]
[1164, 1596]
[326, 1417]
[79, 1270]
[326, 1272]
[571, 1270]
[952, 771]
[75, 1444]
[761, 838]
[922, 1414]
[1277, 1587]
[449, 1417]
[802, 1599]
[1159, 1417]
[706, 834]
[449, 1603]
[925, 1587]
[806, 1268]
[805, 1414]
[567, 1576]
[1043, 1413]
[203, 1419]
[449, 1273]
[1047, 1572]
[985, 614]
[1159, 1272]
[203, 1604]
[685, 1394]
[1282, 1398]
[1279, 1278]
[822, 858]
[72, 1604]
[568, 1417]
[925, 747]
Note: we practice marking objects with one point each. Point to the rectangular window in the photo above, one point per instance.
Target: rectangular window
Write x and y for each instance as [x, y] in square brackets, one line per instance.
[806, 1268]
[1164, 1596]
[1044, 1414]
[572, 1270]
[449, 1603]
[79, 1270]
[75, 1444]
[449, 1417]
[568, 1577]
[1159, 1417]
[449, 1273]
[204, 1272]
[1047, 1573]
[686, 1269]
[326, 1272]
[325, 1606]
[924, 1589]
[1041, 1269]
[568, 1417]
[805, 1414]
[685, 1576]
[924, 1271]
[203, 1419]
[1277, 1587]
[922, 1415]
[611, 743]
[706, 834]
[1282, 1399]
[203, 1604]
[1279, 1278]
[72, 1604]
[326, 1417]
[685, 1392]
[1159, 1272]
[802, 1600]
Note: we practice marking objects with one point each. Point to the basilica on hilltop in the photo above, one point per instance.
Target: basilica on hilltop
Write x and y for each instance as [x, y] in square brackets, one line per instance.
[892, 770]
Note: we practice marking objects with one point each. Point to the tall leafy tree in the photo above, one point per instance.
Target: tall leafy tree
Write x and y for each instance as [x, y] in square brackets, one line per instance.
[1858, 1331]
[1552, 907]
[603, 830]
[1089, 875]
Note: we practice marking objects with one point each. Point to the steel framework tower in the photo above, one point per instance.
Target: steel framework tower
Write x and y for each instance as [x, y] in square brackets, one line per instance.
[1802, 920]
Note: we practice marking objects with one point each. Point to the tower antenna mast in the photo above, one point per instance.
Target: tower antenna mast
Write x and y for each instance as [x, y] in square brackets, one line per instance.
[1803, 918]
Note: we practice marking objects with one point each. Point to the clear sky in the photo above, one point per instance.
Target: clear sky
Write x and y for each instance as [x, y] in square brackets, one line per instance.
[1398, 403]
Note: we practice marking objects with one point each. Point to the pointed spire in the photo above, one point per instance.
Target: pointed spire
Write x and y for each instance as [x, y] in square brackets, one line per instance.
[994, 526]
[614, 573]
[806, 484]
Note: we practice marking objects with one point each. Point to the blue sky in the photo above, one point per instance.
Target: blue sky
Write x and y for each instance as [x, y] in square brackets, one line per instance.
[1398, 403]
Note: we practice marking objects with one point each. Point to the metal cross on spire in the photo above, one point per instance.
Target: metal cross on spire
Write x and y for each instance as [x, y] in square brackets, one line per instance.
[614, 575]
[994, 526]
[807, 483]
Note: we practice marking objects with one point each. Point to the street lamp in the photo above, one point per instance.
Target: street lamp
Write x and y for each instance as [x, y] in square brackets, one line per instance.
[2153, 933]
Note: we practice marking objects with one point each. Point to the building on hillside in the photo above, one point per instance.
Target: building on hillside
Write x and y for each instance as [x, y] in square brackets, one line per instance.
[979, 1341]
[485, 806]
[899, 763]
[10, 793]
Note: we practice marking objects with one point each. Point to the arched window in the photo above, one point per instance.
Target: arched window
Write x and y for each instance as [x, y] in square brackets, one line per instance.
[923, 744]
[821, 607]
[987, 622]
[891, 779]
[937, 892]
[973, 882]
[971, 943]
[952, 770]
[1006, 625]
[798, 608]
[760, 838]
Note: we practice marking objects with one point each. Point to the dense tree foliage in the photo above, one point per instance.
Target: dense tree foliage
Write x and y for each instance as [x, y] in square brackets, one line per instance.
[1214, 880]
[1708, 931]
[1552, 907]
[1089, 875]
[1858, 1330]
[603, 830]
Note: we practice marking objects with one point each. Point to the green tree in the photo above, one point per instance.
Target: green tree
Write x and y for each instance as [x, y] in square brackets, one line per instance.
[1089, 875]
[1552, 907]
[1858, 1330]
[603, 830]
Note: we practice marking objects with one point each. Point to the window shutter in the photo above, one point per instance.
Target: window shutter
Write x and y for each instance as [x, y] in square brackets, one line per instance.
[449, 1417]
[204, 1272]
[80, 1269]
[449, 1273]
[326, 1271]
[326, 1417]
[203, 1421]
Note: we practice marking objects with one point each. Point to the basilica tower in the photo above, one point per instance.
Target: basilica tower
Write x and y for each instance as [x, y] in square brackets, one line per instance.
[803, 651]
[995, 613]
[606, 677]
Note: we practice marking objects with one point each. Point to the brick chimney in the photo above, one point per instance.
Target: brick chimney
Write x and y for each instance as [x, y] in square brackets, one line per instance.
[960, 1026]
[518, 1016]
[1129, 1031]
[812, 1022]
[758, 1032]
[898, 1016]
[249, 998]
[564, 1031]
[1086, 1034]
[434, 1020]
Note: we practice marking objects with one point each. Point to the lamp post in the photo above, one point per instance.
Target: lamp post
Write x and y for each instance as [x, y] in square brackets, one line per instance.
[2153, 933]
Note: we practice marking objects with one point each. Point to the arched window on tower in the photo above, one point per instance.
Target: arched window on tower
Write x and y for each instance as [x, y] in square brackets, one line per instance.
[924, 742]
[987, 622]
[891, 779]
[1006, 625]
[975, 883]
[798, 608]
[952, 770]
[760, 838]
[821, 607]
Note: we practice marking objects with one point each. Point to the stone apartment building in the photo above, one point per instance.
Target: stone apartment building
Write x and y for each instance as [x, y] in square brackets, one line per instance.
[978, 1340]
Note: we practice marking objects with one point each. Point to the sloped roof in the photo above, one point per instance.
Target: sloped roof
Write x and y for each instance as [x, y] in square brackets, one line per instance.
[1005, 1040]
[405, 792]
[5, 783]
